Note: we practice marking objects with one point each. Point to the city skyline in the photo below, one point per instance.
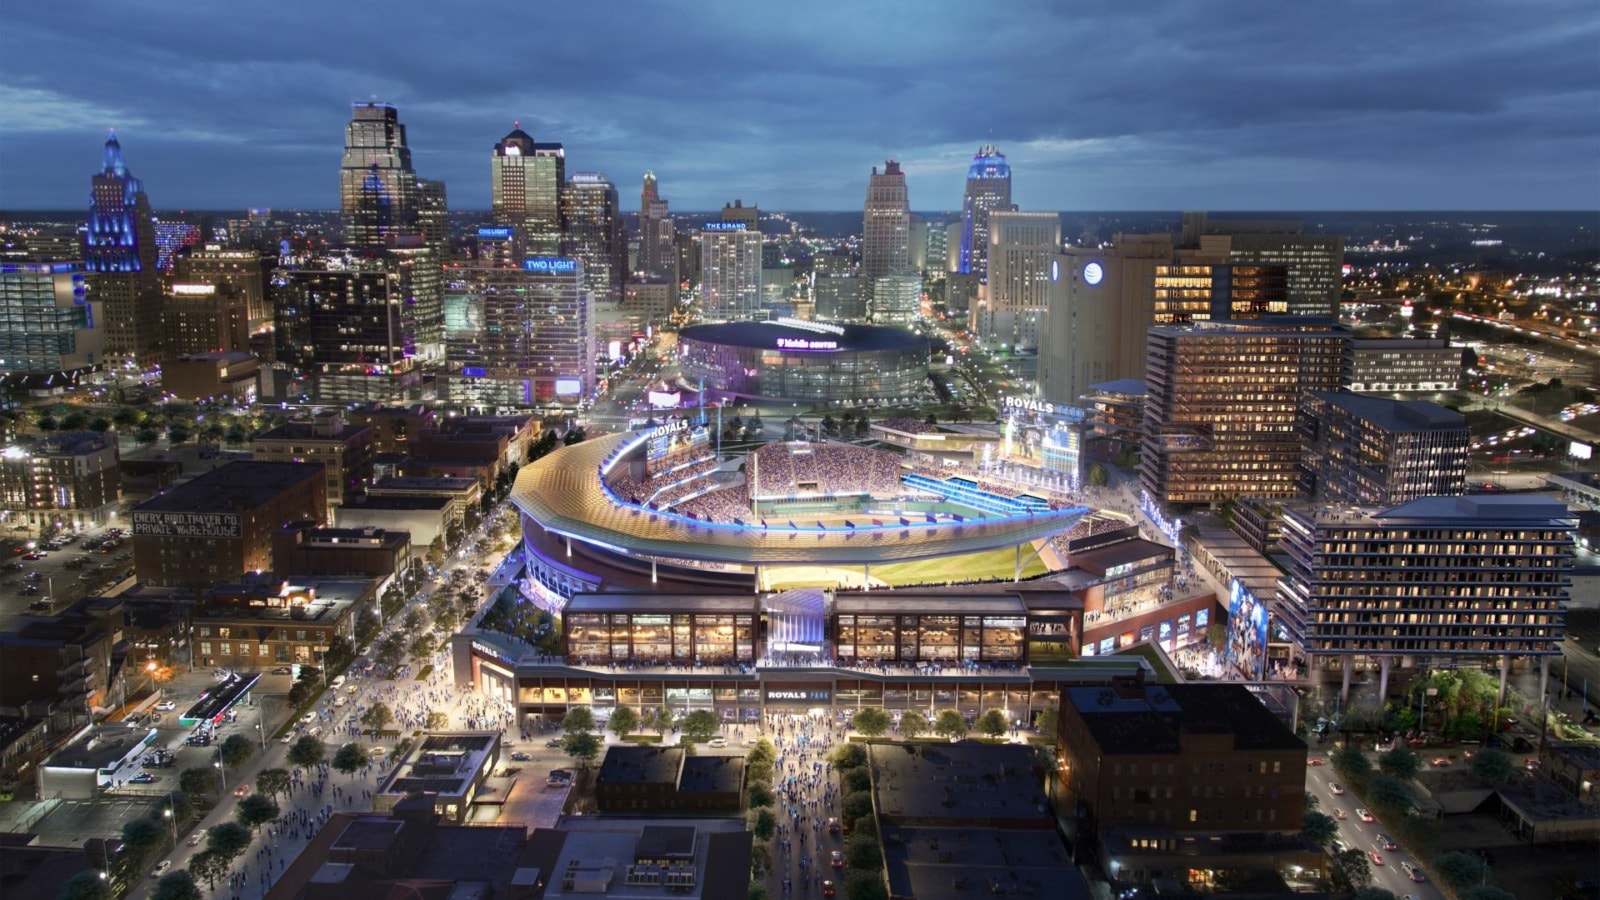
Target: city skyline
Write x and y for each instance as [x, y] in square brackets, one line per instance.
[1163, 108]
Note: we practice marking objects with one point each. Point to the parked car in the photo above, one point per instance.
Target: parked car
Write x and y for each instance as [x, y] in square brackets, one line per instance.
[308, 718]
[142, 778]
[196, 839]
[1336, 787]
[718, 742]
[521, 755]
[166, 706]
[377, 751]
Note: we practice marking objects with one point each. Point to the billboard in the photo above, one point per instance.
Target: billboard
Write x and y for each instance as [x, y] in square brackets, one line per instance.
[675, 442]
[463, 314]
[1247, 631]
[183, 524]
[1048, 434]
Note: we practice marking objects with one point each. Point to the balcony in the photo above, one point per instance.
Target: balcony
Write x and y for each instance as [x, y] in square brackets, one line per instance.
[1183, 439]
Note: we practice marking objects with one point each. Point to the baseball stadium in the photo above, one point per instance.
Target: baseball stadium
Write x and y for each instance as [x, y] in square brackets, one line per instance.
[661, 506]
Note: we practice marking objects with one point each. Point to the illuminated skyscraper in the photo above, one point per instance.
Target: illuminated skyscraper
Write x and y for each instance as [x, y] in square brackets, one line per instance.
[244, 270]
[658, 253]
[730, 272]
[885, 226]
[594, 237]
[520, 335]
[988, 189]
[119, 249]
[526, 179]
[433, 213]
[377, 186]
[1021, 246]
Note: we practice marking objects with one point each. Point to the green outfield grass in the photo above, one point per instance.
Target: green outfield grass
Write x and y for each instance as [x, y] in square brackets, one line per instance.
[987, 565]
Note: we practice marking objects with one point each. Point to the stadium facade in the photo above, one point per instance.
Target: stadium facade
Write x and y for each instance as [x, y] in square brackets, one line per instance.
[789, 361]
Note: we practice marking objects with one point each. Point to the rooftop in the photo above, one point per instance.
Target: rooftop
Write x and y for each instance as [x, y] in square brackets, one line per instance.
[1133, 387]
[234, 487]
[101, 746]
[312, 431]
[972, 863]
[1395, 415]
[1150, 719]
[712, 775]
[941, 782]
[628, 602]
[607, 856]
[641, 765]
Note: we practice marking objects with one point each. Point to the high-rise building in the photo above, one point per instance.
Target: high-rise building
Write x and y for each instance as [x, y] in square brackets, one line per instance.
[594, 234]
[526, 179]
[68, 475]
[738, 212]
[53, 330]
[1405, 365]
[896, 299]
[520, 336]
[362, 327]
[245, 270]
[658, 253]
[1313, 262]
[1221, 401]
[378, 193]
[1377, 452]
[988, 189]
[936, 259]
[433, 215]
[202, 318]
[885, 227]
[119, 251]
[173, 238]
[1009, 308]
[730, 272]
[1438, 580]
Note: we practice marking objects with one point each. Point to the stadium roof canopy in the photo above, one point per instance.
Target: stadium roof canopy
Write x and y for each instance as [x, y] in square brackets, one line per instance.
[805, 336]
[563, 493]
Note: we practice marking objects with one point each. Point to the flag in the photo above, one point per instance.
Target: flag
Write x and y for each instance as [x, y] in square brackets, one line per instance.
[849, 524]
[877, 521]
[792, 525]
[822, 526]
[931, 517]
[957, 518]
[904, 521]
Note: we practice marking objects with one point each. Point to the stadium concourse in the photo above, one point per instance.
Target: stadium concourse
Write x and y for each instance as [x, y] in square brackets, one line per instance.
[661, 498]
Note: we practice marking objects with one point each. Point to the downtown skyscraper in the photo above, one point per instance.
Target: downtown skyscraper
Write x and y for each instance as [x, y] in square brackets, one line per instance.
[988, 190]
[730, 272]
[526, 179]
[885, 228]
[119, 252]
[378, 192]
[658, 252]
[593, 234]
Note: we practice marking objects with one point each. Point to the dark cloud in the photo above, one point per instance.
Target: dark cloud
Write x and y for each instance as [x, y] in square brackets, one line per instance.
[1229, 104]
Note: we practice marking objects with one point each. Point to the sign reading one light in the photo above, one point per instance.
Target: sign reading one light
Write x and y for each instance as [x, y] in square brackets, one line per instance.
[1093, 274]
[804, 344]
[494, 234]
[554, 264]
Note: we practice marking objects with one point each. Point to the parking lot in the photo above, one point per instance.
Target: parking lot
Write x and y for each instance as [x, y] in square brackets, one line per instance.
[41, 580]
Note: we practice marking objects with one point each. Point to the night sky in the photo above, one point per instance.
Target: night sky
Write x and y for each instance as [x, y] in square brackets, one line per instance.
[1395, 104]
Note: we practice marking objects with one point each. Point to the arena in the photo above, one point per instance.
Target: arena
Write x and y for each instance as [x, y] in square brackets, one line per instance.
[793, 361]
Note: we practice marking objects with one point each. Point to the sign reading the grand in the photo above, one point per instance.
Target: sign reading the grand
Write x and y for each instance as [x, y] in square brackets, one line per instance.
[182, 524]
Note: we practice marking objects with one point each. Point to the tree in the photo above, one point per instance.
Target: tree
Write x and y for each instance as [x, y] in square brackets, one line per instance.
[1351, 763]
[848, 756]
[581, 746]
[861, 852]
[864, 884]
[141, 839]
[659, 720]
[210, 865]
[228, 840]
[763, 753]
[763, 824]
[760, 861]
[760, 795]
[377, 717]
[236, 751]
[872, 721]
[950, 724]
[351, 757]
[273, 782]
[100, 424]
[1319, 828]
[699, 725]
[913, 723]
[623, 722]
[86, 885]
[856, 805]
[422, 647]
[256, 810]
[993, 723]
[1373, 893]
[855, 780]
[1047, 721]
[1389, 795]
[146, 436]
[177, 433]
[1492, 766]
[1350, 870]
[307, 752]
[198, 780]
[578, 720]
[1399, 763]
[436, 721]
[367, 625]
[1459, 871]
[1098, 476]
[758, 891]
[176, 885]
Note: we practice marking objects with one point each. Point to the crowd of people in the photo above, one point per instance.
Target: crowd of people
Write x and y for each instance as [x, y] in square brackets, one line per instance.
[722, 505]
[781, 468]
[807, 797]
[909, 425]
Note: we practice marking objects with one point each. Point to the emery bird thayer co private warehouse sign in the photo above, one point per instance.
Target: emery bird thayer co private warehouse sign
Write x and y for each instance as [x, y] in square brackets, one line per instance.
[182, 524]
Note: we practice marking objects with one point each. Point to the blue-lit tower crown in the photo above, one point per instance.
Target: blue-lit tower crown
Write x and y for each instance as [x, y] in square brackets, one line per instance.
[119, 235]
[988, 189]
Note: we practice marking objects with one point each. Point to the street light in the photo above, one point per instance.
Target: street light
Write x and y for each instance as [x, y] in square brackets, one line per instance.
[171, 820]
[223, 772]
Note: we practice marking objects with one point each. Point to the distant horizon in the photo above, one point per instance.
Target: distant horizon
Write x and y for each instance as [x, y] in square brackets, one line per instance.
[63, 211]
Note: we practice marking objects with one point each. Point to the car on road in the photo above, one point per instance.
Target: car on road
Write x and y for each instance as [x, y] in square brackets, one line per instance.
[1414, 872]
[1340, 814]
[828, 890]
[283, 670]
[1441, 761]
[1388, 843]
[1336, 787]
[288, 737]
[142, 778]
[1364, 815]
[242, 790]
[308, 718]
[166, 706]
[833, 825]
[196, 839]
[1316, 761]
[521, 755]
[836, 859]
[553, 744]
[1376, 857]
[161, 868]
[718, 742]
[377, 751]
